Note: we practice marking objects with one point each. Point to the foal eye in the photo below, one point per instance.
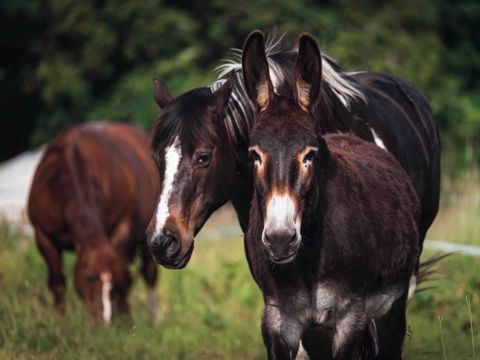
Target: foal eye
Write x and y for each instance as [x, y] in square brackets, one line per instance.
[255, 156]
[203, 159]
[308, 158]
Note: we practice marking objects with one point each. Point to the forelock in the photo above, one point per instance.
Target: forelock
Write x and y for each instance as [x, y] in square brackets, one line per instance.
[184, 118]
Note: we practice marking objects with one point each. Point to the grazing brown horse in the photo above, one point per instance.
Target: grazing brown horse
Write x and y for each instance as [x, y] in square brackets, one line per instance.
[332, 240]
[94, 192]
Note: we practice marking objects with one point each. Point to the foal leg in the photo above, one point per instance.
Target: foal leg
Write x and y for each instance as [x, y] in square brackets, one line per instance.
[149, 270]
[281, 334]
[56, 278]
[350, 334]
[391, 330]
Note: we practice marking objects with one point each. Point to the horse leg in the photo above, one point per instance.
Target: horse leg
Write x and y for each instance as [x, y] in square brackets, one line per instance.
[391, 330]
[149, 271]
[351, 333]
[56, 278]
[122, 241]
[281, 334]
[317, 343]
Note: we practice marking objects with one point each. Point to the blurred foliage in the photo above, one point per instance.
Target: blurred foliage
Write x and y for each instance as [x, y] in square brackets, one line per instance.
[67, 61]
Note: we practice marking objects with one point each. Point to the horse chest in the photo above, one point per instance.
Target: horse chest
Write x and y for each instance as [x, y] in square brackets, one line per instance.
[320, 306]
[327, 305]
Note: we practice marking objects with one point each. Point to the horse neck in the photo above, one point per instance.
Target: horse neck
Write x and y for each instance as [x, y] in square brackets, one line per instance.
[86, 228]
[84, 201]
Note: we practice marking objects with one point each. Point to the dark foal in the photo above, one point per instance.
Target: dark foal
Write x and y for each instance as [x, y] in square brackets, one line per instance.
[94, 192]
[332, 239]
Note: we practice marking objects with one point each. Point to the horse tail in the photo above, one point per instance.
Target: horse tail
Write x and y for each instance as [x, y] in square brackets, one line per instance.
[430, 269]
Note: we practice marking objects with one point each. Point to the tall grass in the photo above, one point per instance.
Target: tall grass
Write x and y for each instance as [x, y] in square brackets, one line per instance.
[212, 309]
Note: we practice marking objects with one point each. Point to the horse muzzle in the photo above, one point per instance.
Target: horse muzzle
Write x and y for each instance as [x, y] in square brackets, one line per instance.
[168, 250]
[281, 246]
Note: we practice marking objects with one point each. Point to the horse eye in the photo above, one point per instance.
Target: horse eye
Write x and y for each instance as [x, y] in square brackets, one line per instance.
[91, 278]
[203, 159]
[255, 156]
[308, 158]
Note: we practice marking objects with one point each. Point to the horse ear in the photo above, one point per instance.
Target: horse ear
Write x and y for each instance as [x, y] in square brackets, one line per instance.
[161, 94]
[222, 94]
[308, 73]
[255, 70]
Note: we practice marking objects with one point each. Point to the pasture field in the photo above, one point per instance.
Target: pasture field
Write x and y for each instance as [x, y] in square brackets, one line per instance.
[212, 309]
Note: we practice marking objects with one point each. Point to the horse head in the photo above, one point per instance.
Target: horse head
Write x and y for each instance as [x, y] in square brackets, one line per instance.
[284, 144]
[197, 166]
[102, 279]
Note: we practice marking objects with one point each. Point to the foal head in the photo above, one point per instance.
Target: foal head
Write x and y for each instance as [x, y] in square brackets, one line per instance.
[283, 144]
[197, 165]
[102, 279]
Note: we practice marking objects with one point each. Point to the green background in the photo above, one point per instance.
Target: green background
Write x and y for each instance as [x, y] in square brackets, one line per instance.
[72, 61]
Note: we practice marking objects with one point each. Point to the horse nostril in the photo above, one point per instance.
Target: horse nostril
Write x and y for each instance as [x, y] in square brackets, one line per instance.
[171, 245]
[293, 242]
[266, 239]
[154, 243]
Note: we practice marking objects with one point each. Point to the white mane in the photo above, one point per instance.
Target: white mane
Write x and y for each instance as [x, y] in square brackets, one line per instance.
[345, 90]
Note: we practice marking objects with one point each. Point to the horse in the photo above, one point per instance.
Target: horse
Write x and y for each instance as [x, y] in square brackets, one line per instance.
[94, 192]
[200, 143]
[332, 240]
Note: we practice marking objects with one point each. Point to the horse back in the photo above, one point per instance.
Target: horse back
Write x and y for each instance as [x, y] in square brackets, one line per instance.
[402, 117]
[92, 176]
[370, 215]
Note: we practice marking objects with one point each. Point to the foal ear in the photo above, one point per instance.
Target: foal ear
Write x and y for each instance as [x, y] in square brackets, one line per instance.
[161, 94]
[255, 70]
[222, 94]
[308, 73]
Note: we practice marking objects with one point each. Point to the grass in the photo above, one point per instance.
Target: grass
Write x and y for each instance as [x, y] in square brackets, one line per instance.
[212, 309]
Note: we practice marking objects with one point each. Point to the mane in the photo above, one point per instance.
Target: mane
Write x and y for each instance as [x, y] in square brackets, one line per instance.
[183, 118]
[281, 52]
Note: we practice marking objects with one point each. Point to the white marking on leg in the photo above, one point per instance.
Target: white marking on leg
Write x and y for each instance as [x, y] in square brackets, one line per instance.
[412, 286]
[282, 214]
[154, 304]
[378, 141]
[173, 155]
[106, 279]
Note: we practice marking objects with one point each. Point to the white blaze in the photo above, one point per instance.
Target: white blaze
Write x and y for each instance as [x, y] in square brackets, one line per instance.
[173, 155]
[378, 141]
[153, 302]
[281, 214]
[106, 279]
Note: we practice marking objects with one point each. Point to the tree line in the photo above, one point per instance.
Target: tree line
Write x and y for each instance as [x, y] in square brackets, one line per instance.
[67, 61]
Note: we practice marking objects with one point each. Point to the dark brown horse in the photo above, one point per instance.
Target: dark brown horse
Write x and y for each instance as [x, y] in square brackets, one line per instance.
[94, 192]
[333, 235]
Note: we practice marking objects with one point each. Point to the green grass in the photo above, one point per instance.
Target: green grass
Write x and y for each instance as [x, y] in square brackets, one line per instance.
[212, 309]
